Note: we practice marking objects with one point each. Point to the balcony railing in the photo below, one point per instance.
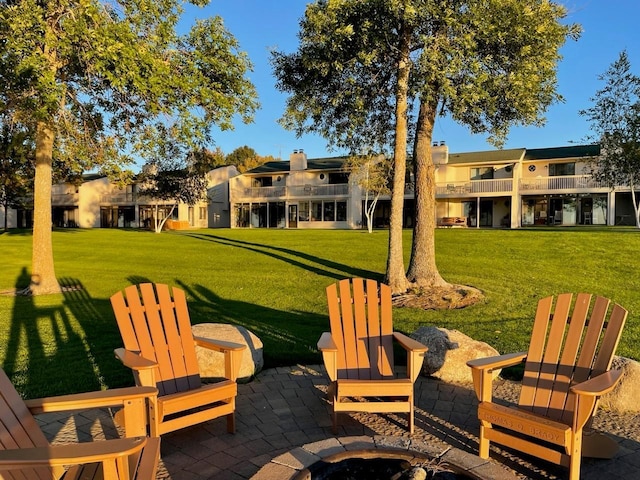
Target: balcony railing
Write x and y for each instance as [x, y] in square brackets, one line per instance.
[290, 192]
[503, 185]
[118, 198]
[64, 199]
[319, 190]
[565, 182]
[260, 192]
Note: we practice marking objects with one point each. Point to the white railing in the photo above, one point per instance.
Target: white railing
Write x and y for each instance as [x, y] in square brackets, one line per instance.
[318, 190]
[260, 192]
[291, 192]
[64, 199]
[564, 182]
[118, 198]
[475, 186]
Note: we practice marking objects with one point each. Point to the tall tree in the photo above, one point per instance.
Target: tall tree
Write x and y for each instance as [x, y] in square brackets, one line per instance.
[615, 123]
[97, 82]
[16, 168]
[363, 71]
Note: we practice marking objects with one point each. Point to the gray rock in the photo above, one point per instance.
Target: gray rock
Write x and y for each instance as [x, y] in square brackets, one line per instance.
[624, 398]
[449, 352]
[212, 363]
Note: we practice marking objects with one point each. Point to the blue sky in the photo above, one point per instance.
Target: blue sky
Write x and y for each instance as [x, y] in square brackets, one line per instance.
[609, 26]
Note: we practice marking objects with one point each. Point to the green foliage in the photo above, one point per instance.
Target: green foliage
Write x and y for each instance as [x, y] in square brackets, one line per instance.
[273, 283]
[105, 75]
[245, 158]
[615, 123]
[240, 154]
[488, 64]
[16, 167]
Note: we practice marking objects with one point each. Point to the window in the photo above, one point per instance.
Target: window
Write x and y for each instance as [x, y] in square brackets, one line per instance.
[561, 169]
[202, 215]
[263, 182]
[316, 211]
[338, 177]
[329, 212]
[303, 211]
[482, 173]
[341, 211]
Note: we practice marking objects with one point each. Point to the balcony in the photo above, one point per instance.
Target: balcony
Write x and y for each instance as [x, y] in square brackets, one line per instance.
[566, 182]
[59, 199]
[116, 198]
[474, 187]
[290, 192]
[319, 190]
[260, 192]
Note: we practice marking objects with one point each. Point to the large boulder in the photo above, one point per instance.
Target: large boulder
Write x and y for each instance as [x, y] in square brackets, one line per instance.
[449, 351]
[624, 398]
[212, 363]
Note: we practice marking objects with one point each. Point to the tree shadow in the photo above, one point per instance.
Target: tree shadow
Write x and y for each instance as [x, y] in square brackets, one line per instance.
[317, 265]
[288, 337]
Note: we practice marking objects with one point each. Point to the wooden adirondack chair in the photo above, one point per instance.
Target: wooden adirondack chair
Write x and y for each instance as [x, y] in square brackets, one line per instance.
[161, 350]
[567, 369]
[26, 454]
[358, 352]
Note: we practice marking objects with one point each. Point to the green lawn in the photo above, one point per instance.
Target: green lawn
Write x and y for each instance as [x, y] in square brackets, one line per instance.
[272, 282]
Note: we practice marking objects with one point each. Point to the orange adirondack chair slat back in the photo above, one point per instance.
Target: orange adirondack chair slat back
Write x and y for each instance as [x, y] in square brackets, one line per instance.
[18, 429]
[362, 327]
[156, 323]
[567, 348]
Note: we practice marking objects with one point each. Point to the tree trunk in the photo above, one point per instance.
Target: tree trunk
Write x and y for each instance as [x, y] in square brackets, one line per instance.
[395, 275]
[43, 276]
[423, 271]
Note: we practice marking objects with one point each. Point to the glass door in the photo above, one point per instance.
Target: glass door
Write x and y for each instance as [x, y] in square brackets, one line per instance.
[293, 216]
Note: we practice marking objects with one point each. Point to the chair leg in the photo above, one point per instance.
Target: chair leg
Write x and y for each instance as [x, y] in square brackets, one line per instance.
[411, 417]
[231, 422]
[575, 456]
[484, 444]
[334, 428]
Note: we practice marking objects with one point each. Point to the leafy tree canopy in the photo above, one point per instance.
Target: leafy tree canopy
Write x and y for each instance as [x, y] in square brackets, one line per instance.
[615, 123]
[488, 64]
[98, 83]
[109, 77]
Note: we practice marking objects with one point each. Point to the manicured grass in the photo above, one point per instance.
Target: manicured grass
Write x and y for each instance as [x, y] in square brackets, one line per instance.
[273, 281]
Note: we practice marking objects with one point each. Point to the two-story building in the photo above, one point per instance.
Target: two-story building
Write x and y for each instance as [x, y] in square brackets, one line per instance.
[100, 203]
[500, 188]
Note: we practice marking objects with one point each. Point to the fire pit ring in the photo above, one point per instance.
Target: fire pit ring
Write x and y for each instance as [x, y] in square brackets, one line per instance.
[300, 463]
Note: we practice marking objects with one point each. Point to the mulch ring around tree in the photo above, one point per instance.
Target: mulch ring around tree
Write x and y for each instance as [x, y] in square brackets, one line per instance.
[439, 298]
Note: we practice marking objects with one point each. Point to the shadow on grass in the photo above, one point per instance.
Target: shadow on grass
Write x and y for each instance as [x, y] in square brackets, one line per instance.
[289, 337]
[315, 264]
[51, 347]
[58, 346]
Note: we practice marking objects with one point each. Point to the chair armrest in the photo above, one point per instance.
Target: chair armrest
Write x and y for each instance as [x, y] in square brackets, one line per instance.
[482, 368]
[588, 393]
[218, 345]
[80, 401]
[232, 354]
[409, 343]
[70, 454]
[329, 350]
[326, 343]
[133, 360]
[415, 354]
[498, 361]
[599, 385]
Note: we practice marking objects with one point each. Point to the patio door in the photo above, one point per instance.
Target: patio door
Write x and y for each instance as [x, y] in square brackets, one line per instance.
[293, 216]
